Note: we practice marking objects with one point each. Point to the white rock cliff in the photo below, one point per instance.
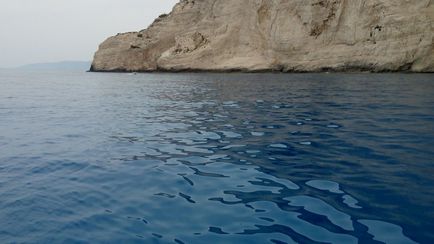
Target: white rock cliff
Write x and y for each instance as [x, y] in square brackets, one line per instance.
[279, 35]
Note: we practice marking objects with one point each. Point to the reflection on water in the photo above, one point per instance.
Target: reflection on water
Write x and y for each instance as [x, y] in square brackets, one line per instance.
[210, 158]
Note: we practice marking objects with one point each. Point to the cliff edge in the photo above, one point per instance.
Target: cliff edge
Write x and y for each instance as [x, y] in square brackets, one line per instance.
[279, 35]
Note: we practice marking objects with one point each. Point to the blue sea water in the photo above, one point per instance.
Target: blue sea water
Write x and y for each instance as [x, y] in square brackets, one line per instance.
[216, 158]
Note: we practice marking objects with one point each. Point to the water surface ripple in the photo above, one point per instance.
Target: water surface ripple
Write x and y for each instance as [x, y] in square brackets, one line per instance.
[216, 158]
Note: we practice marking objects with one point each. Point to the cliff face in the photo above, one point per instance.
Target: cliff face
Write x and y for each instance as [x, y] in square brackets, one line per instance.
[281, 35]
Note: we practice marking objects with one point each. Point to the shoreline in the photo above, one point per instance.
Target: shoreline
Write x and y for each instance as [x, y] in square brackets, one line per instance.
[265, 71]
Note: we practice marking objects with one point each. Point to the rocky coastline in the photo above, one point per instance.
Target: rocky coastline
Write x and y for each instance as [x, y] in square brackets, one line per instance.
[278, 36]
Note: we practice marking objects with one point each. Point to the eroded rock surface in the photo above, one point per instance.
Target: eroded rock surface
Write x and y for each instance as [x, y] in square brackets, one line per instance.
[279, 35]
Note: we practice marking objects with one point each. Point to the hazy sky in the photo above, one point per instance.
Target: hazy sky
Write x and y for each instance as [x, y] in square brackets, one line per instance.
[34, 31]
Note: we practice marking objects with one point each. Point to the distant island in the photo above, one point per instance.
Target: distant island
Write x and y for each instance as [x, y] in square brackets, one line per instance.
[284, 36]
[62, 65]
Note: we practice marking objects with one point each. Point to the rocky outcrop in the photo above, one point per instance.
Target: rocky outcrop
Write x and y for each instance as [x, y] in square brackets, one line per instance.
[279, 35]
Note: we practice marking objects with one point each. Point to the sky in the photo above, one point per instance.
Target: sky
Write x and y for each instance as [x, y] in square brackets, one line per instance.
[38, 31]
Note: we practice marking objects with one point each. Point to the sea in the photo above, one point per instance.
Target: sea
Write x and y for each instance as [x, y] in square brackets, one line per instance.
[216, 158]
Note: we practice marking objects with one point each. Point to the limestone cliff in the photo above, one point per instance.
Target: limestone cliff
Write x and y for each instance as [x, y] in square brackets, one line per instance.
[279, 35]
